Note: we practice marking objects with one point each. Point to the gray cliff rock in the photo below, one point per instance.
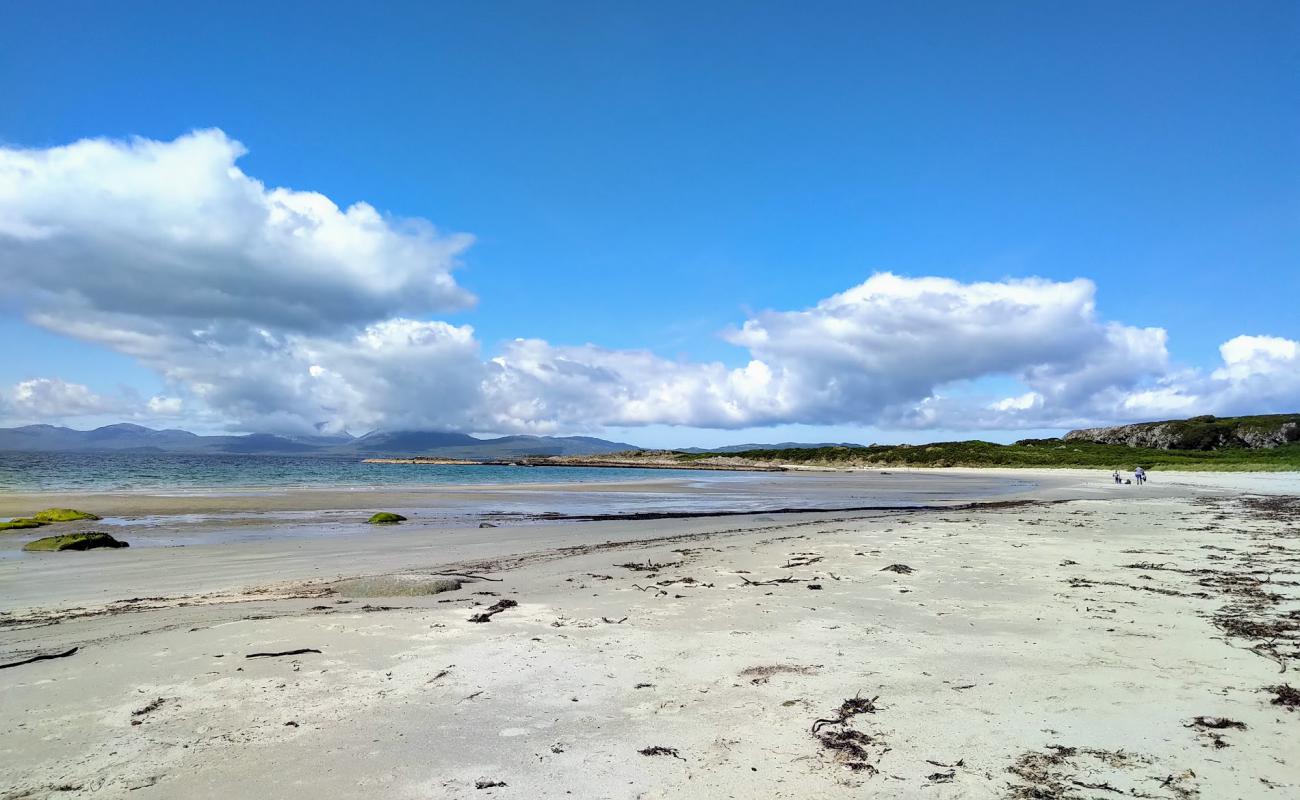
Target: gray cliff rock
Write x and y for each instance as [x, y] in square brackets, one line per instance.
[1199, 433]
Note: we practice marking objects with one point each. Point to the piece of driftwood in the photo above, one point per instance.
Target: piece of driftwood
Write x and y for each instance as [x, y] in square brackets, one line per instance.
[471, 576]
[42, 657]
[773, 581]
[297, 652]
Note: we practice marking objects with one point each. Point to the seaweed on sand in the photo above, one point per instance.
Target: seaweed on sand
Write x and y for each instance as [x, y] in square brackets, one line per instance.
[1285, 695]
[851, 746]
[493, 610]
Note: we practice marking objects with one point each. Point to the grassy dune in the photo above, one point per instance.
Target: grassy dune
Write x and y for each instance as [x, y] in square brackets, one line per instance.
[1041, 453]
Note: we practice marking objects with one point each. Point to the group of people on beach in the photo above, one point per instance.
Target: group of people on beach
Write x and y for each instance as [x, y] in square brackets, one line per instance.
[1139, 477]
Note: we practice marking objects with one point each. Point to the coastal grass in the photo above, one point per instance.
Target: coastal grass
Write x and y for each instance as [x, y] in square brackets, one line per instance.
[1029, 453]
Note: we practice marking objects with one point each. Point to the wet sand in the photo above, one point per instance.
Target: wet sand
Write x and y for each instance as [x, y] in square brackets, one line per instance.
[168, 518]
[1063, 648]
[816, 487]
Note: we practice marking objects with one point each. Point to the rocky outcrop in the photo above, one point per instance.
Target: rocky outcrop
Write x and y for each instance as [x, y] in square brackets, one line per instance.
[1199, 433]
[1285, 433]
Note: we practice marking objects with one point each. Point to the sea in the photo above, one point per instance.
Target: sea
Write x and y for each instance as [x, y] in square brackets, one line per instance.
[517, 495]
[114, 472]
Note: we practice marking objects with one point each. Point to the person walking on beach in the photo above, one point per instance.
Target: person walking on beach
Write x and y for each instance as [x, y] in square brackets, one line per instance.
[1140, 474]
[1117, 480]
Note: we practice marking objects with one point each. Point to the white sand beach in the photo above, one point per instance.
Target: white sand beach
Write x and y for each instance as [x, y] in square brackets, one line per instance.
[1079, 640]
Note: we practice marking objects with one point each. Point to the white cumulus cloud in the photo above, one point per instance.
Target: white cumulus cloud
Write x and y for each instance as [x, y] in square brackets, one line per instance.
[163, 406]
[1257, 374]
[175, 231]
[276, 309]
[40, 398]
[881, 351]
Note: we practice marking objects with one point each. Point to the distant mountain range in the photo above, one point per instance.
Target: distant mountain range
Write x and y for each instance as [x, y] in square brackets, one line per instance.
[126, 437]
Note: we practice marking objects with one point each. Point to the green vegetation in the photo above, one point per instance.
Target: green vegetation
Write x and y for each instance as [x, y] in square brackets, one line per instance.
[386, 518]
[74, 541]
[1039, 453]
[62, 515]
[20, 523]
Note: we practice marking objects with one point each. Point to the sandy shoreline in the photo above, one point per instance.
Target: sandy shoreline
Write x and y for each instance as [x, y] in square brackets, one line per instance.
[1104, 625]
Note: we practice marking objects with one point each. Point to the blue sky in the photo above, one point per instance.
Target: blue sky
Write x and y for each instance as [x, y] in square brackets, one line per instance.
[646, 176]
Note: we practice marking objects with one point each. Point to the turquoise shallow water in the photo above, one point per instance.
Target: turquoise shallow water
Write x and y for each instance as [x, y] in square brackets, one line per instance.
[105, 472]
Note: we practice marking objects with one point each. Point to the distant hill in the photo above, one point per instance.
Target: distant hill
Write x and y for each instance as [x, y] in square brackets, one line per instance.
[39, 438]
[129, 438]
[403, 442]
[1199, 433]
[517, 446]
[459, 445]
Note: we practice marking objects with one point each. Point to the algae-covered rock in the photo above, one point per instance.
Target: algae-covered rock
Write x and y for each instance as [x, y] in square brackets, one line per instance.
[62, 515]
[46, 517]
[20, 523]
[386, 518]
[74, 541]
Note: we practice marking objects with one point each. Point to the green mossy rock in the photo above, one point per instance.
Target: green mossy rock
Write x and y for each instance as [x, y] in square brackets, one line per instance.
[386, 518]
[74, 541]
[62, 515]
[20, 523]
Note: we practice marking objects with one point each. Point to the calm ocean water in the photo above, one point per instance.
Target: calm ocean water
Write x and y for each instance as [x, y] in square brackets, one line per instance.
[100, 472]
